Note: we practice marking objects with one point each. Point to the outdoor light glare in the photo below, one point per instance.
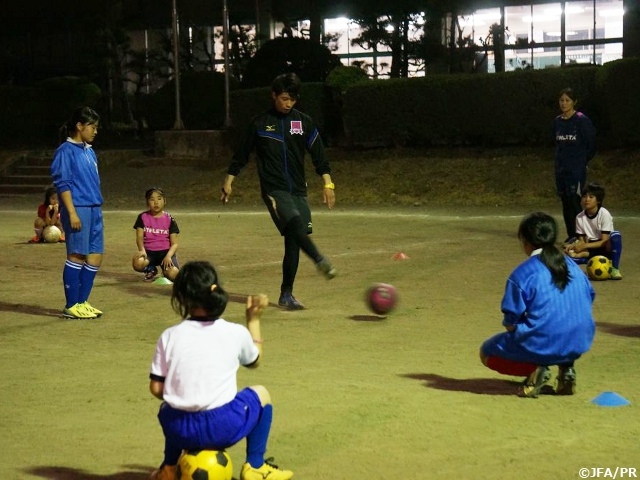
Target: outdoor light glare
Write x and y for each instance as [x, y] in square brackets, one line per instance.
[568, 9]
[540, 18]
[487, 16]
[339, 23]
[618, 12]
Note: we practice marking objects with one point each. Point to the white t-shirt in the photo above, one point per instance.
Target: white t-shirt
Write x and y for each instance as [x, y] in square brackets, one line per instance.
[199, 362]
[593, 227]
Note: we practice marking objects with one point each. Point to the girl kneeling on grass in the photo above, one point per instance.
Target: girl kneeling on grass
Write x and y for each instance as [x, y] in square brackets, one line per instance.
[547, 314]
[194, 371]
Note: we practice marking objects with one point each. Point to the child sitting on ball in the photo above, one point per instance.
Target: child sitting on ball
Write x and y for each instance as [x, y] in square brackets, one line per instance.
[194, 371]
[48, 215]
[157, 239]
[594, 228]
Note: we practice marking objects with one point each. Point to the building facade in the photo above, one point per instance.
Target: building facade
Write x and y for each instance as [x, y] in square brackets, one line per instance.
[543, 34]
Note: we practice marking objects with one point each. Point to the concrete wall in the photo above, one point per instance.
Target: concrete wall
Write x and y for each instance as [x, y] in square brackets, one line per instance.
[200, 144]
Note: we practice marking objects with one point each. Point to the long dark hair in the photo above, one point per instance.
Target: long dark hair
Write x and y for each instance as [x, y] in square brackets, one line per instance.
[83, 115]
[541, 231]
[48, 193]
[197, 286]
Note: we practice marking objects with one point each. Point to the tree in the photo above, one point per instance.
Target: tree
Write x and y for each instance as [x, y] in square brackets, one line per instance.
[495, 41]
[315, 11]
[242, 47]
[310, 61]
[396, 33]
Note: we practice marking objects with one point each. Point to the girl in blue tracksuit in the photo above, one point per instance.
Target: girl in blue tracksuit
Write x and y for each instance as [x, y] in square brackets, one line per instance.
[546, 313]
[75, 175]
[575, 146]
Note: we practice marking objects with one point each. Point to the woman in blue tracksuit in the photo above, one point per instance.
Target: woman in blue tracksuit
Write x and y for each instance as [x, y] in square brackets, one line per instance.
[75, 175]
[281, 136]
[575, 146]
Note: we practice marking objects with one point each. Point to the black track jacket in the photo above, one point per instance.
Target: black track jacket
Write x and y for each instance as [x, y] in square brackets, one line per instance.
[280, 142]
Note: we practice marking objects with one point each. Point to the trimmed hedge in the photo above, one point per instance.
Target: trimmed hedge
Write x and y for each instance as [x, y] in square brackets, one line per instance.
[498, 109]
[315, 101]
[201, 102]
[619, 103]
[515, 108]
[311, 61]
[58, 97]
[34, 114]
[18, 109]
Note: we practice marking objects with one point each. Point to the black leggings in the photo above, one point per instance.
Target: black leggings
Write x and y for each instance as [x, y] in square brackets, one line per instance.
[295, 239]
[570, 209]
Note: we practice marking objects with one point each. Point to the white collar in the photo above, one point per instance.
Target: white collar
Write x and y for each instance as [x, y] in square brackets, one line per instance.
[537, 251]
[85, 144]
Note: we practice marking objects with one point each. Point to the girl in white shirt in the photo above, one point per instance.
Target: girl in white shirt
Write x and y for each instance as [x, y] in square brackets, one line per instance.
[194, 372]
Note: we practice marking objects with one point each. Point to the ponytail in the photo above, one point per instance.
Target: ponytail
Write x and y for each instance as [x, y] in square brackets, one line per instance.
[556, 262]
[197, 286]
[541, 231]
[83, 115]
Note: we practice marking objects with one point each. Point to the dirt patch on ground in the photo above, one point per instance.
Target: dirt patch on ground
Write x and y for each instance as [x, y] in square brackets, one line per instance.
[451, 177]
[460, 178]
[356, 396]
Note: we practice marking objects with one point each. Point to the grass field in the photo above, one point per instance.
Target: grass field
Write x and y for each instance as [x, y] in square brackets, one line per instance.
[356, 396]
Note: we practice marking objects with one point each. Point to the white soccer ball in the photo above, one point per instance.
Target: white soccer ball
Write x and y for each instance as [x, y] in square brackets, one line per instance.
[51, 234]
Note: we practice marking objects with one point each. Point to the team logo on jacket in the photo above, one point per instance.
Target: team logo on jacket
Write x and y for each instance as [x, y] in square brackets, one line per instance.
[296, 127]
[270, 128]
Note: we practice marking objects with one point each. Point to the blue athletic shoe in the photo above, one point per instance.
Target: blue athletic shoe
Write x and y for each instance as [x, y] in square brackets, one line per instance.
[288, 301]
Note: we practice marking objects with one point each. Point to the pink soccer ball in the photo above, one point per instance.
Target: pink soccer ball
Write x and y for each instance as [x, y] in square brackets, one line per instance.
[381, 298]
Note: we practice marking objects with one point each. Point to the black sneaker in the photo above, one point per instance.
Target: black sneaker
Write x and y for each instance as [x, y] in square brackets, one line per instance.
[566, 381]
[324, 266]
[150, 275]
[531, 387]
[288, 301]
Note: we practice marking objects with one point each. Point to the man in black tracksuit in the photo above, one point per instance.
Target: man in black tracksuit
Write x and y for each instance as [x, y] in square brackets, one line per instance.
[280, 137]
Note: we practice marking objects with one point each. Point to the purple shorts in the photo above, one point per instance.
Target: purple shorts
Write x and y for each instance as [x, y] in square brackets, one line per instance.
[215, 429]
